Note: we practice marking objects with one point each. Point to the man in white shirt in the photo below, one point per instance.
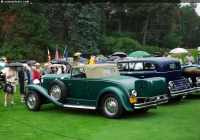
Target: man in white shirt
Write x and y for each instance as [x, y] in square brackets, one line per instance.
[138, 66]
[11, 75]
[189, 59]
[59, 71]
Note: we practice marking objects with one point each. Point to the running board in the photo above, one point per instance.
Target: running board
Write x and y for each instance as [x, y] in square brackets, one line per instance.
[80, 106]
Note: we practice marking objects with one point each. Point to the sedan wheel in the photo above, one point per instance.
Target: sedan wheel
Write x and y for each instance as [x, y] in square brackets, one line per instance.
[111, 106]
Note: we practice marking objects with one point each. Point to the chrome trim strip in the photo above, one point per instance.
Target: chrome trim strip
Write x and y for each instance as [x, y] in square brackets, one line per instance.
[146, 106]
[162, 102]
[80, 106]
[144, 71]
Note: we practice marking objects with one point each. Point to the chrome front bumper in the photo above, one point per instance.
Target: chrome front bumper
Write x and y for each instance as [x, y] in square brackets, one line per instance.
[180, 87]
[151, 102]
[183, 92]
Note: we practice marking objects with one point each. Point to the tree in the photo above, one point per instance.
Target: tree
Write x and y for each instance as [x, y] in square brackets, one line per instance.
[190, 22]
[85, 29]
[27, 33]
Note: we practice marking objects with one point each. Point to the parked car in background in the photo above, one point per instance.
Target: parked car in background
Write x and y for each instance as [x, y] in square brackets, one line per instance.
[192, 73]
[98, 86]
[3, 74]
[2, 64]
[168, 68]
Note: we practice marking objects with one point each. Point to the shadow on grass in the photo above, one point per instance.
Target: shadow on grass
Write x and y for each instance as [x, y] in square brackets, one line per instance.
[73, 111]
[174, 103]
[137, 115]
[193, 96]
[50, 108]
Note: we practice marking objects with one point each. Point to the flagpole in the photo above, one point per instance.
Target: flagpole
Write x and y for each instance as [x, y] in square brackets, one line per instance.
[66, 53]
[49, 57]
[56, 54]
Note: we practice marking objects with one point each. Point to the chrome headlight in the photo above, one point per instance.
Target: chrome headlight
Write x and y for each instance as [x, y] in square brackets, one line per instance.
[190, 80]
[170, 84]
[134, 93]
[198, 79]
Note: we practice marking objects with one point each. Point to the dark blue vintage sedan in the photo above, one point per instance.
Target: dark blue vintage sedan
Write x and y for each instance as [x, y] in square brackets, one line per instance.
[166, 67]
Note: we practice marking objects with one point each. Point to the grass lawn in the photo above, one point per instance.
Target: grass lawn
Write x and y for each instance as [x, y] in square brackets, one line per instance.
[172, 121]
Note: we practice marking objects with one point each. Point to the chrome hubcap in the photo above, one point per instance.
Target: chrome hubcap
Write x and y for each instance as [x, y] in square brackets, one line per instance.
[31, 101]
[111, 106]
[55, 92]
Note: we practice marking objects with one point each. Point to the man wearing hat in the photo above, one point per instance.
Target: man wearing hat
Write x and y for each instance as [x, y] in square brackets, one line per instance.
[46, 70]
[39, 69]
[24, 79]
[189, 59]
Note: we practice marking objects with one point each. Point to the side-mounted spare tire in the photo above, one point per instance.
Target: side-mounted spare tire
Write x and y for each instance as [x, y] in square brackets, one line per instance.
[58, 91]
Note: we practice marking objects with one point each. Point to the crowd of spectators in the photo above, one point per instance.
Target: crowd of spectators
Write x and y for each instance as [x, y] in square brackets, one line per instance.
[29, 75]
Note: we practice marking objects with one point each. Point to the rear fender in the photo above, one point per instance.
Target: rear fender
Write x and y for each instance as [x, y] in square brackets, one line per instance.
[120, 94]
[43, 92]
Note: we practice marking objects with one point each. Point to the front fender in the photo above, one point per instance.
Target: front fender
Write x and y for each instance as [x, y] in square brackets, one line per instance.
[44, 92]
[120, 94]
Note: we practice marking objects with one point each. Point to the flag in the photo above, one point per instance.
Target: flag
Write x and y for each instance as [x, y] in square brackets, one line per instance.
[66, 53]
[56, 55]
[49, 57]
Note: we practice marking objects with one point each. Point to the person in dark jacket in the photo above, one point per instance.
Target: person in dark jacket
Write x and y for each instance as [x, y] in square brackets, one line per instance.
[24, 79]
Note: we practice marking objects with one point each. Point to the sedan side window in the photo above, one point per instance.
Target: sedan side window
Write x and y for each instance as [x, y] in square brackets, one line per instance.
[173, 66]
[123, 66]
[149, 66]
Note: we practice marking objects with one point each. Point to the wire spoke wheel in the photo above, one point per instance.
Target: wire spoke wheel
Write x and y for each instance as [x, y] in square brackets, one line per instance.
[31, 100]
[58, 91]
[111, 106]
[55, 92]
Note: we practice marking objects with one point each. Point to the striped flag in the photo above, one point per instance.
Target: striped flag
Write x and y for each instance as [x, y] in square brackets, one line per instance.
[49, 57]
[56, 55]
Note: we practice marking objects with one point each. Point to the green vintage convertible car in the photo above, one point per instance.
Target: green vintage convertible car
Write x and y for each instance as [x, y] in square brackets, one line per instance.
[98, 86]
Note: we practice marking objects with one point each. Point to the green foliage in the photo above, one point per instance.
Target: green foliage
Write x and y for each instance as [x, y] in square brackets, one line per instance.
[119, 42]
[84, 31]
[126, 44]
[28, 36]
[190, 25]
[172, 40]
[94, 28]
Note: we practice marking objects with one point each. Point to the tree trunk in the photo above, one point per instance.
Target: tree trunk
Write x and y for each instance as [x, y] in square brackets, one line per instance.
[119, 24]
[145, 31]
